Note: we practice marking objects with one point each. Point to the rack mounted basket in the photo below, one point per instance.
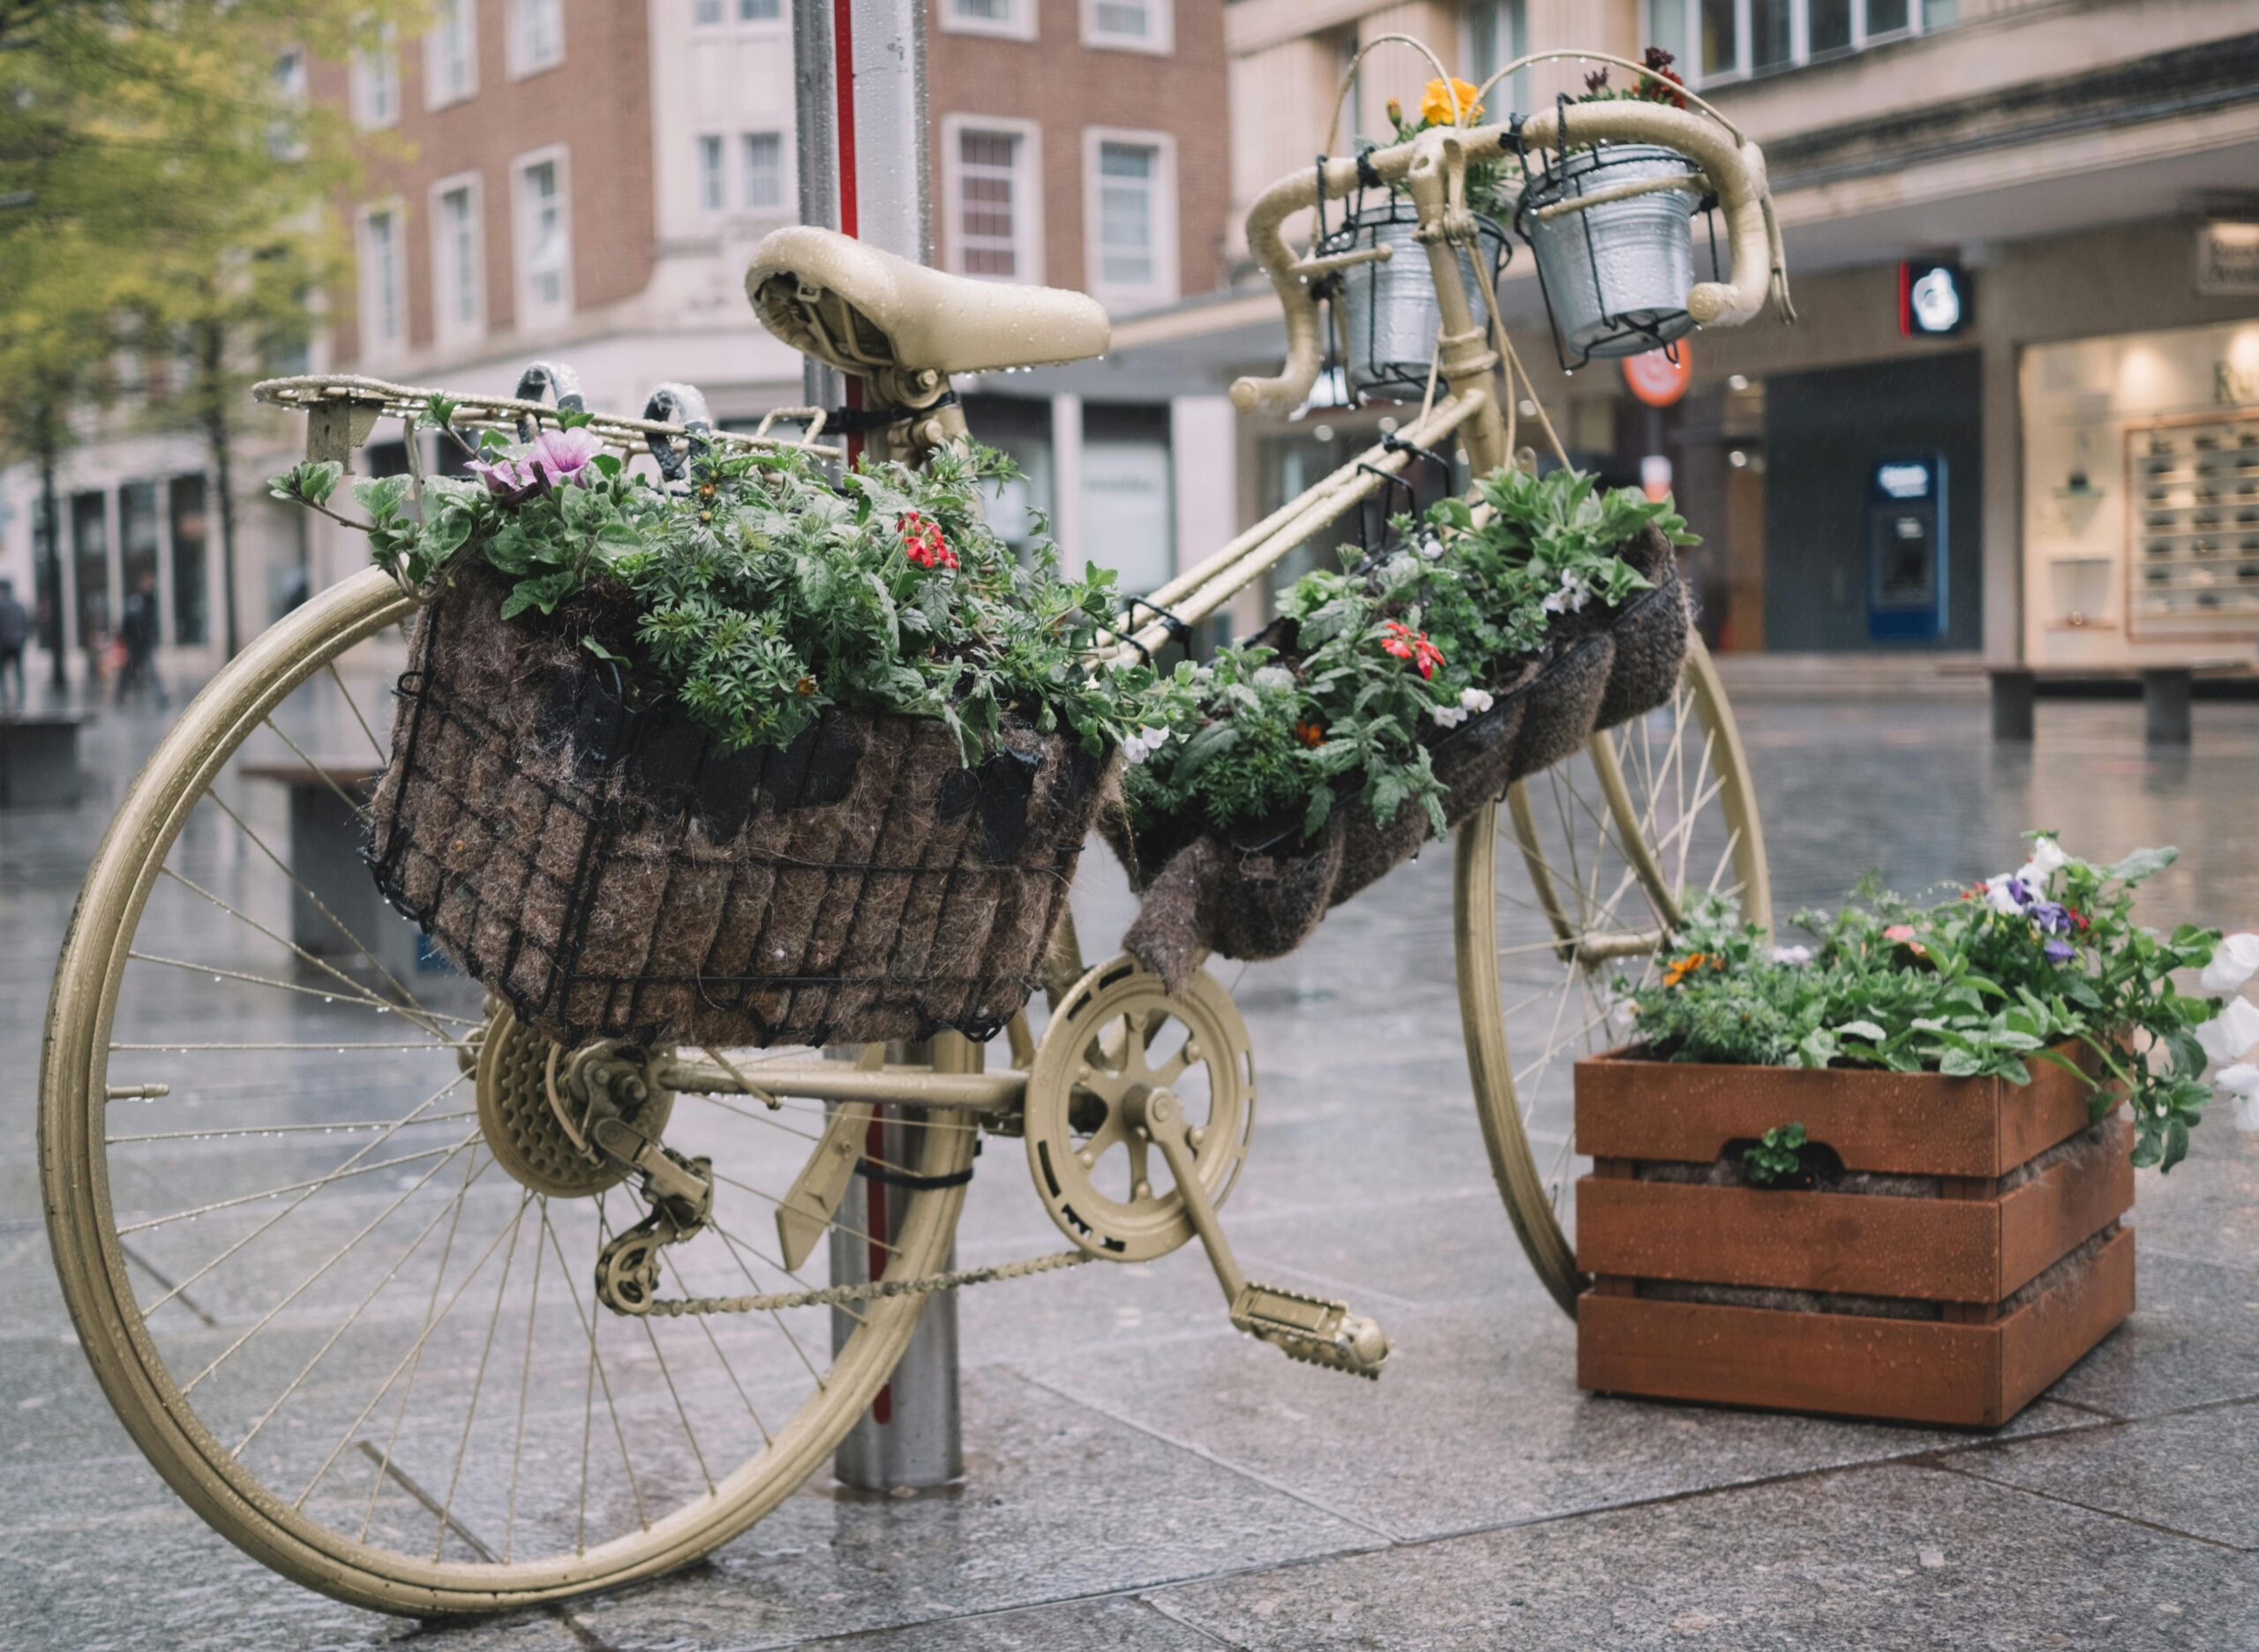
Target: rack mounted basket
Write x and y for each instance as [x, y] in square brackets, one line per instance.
[604, 866]
[1384, 310]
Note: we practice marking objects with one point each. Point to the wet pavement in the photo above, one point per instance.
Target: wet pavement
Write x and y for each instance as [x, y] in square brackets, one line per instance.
[1139, 1476]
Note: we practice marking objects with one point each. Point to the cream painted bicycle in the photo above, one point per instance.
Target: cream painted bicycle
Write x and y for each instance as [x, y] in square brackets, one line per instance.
[435, 1317]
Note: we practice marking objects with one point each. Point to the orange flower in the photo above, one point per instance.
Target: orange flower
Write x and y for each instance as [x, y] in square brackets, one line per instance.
[1436, 108]
[1310, 734]
[1679, 969]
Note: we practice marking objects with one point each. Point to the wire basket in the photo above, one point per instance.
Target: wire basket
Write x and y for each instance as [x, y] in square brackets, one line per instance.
[1385, 310]
[1615, 272]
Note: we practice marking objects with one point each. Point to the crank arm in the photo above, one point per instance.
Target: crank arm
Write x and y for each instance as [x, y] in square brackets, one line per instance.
[1307, 1328]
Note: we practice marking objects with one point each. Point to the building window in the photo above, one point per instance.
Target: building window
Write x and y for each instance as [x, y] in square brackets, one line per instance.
[1131, 25]
[191, 625]
[451, 54]
[711, 191]
[458, 258]
[764, 170]
[90, 563]
[286, 134]
[712, 13]
[1131, 218]
[1013, 20]
[384, 283]
[1733, 40]
[536, 35]
[1497, 32]
[544, 238]
[992, 203]
[137, 553]
[375, 90]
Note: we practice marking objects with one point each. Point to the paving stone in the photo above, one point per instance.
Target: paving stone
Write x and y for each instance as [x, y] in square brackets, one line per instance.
[2193, 1339]
[1108, 1625]
[2196, 1472]
[1868, 1561]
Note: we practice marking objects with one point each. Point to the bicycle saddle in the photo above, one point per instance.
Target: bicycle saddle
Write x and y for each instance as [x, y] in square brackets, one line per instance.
[860, 309]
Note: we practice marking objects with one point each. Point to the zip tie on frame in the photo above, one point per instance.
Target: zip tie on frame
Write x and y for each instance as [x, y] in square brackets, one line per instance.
[858, 420]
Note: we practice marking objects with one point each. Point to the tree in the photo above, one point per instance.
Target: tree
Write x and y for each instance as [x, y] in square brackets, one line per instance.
[175, 182]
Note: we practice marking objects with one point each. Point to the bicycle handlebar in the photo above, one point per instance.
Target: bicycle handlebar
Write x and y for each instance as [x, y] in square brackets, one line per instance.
[1734, 166]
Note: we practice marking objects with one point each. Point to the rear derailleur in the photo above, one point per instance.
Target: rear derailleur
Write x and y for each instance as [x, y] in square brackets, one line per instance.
[620, 1112]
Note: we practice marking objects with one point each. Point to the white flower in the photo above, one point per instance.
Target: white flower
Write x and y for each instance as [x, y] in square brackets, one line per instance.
[1792, 955]
[1447, 716]
[1476, 700]
[2001, 897]
[2230, 1034]
[1574, 593]
[1431, 548]
[2240, 1084]
[2234, 961]
[1144, 744]
[1274, 677]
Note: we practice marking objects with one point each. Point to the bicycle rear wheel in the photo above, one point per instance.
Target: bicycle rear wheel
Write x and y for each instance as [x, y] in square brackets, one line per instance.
[360, 1342]
[1603, 850]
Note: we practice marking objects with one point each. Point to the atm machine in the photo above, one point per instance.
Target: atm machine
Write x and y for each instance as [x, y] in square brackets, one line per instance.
[1906, 548]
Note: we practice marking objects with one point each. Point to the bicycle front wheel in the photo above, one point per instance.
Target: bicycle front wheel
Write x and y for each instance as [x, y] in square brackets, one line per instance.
[1601, 852]
[360, 1341]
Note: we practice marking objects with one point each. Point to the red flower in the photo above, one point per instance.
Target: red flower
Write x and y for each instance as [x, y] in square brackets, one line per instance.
[1408, 644]
[2078, 918]
[1667, 87]
[922, 542]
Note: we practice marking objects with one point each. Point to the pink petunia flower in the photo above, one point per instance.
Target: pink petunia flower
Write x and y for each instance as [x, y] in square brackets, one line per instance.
[563, 455]
[504, 477]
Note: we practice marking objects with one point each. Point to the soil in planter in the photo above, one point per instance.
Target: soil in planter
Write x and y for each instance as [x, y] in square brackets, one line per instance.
[1259, 891]
[599, 861]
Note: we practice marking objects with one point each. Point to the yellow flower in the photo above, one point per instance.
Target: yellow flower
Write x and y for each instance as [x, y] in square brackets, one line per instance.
[1435, 103]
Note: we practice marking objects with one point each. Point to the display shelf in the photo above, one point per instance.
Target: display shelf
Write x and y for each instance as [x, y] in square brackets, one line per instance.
[2192, 527]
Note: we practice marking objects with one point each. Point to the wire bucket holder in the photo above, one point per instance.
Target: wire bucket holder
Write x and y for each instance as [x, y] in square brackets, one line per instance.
[1385, 318]
[1610, 225]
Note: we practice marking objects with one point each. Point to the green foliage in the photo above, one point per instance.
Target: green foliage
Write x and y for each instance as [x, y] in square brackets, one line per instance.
[762, 591]
[1776, 1157]
[1978, 985]
[1253, 737]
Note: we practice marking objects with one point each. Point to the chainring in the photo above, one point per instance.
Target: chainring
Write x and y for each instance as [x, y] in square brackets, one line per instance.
[1120, 1028]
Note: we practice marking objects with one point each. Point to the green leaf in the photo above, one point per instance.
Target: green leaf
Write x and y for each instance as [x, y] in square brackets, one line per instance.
[2141, 863]
[381, 496]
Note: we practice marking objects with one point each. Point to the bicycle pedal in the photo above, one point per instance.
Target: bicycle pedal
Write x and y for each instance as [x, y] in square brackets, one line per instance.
[1311, 1329]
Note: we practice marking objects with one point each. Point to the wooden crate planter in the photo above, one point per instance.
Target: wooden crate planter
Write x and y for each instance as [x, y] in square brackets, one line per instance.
[1967, 1297]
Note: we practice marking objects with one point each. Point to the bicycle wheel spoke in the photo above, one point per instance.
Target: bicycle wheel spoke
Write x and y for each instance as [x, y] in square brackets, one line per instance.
[478, 1382]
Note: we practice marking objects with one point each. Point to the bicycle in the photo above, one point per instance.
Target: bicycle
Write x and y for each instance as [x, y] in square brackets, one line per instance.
[334, 1359]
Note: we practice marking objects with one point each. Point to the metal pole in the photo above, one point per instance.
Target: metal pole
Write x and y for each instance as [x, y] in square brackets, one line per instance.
[859, 74]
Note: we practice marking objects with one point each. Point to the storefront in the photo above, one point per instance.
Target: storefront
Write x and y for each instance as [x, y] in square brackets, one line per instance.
[2140, 498]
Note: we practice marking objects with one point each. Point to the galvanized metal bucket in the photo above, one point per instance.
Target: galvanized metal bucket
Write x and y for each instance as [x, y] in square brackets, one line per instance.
[1385, 310]
[1616, 274]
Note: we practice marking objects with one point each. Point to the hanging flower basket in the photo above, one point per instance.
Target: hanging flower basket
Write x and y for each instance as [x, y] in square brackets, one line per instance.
[1258, 890]
[1615, 273]
[1385, 309]
[613, 871]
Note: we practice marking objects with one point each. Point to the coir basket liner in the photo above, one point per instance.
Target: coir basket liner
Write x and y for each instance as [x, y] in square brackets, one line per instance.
[611, 872]
[1259, 892]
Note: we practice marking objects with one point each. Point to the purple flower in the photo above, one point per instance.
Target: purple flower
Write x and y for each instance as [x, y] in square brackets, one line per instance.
[504, 477]
[2051, 917]
[563, 455]
[2060, 951]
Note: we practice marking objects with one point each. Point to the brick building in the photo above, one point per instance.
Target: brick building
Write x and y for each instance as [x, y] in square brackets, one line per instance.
[583, 181]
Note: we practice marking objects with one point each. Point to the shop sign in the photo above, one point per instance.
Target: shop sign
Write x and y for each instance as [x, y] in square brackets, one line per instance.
[1932, 299]
[1660, 377]
[2227, 259]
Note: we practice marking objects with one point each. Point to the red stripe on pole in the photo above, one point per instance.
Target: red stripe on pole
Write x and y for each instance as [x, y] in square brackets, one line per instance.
[843, 80]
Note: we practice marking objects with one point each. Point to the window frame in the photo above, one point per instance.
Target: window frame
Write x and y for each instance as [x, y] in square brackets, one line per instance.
[1516, 86]
[1160, 43]
[286, 135]
[446, 327]
[1027, 208]
[1021, 26]
[1800, 40]
[362, 77]
[466, 15]
[1168, 285]
[711, 173]
[730, 19]
[745, 201]
[520, 65]
[531, 312]
[373, 347]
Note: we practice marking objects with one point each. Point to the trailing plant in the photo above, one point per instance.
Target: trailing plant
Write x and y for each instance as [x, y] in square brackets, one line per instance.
[1776, 1157]
[762, 590]
[1979, 985]
[1388, 656]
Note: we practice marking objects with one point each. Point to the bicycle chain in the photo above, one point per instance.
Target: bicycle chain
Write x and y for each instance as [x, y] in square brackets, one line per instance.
[869, 1290]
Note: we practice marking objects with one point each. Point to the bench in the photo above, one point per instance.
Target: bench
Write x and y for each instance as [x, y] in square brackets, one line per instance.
[328, 858]
[2166, 691]
[38, 759]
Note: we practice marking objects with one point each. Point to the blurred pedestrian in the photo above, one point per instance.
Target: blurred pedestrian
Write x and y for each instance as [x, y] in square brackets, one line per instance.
[15, 631]
[137, 674]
